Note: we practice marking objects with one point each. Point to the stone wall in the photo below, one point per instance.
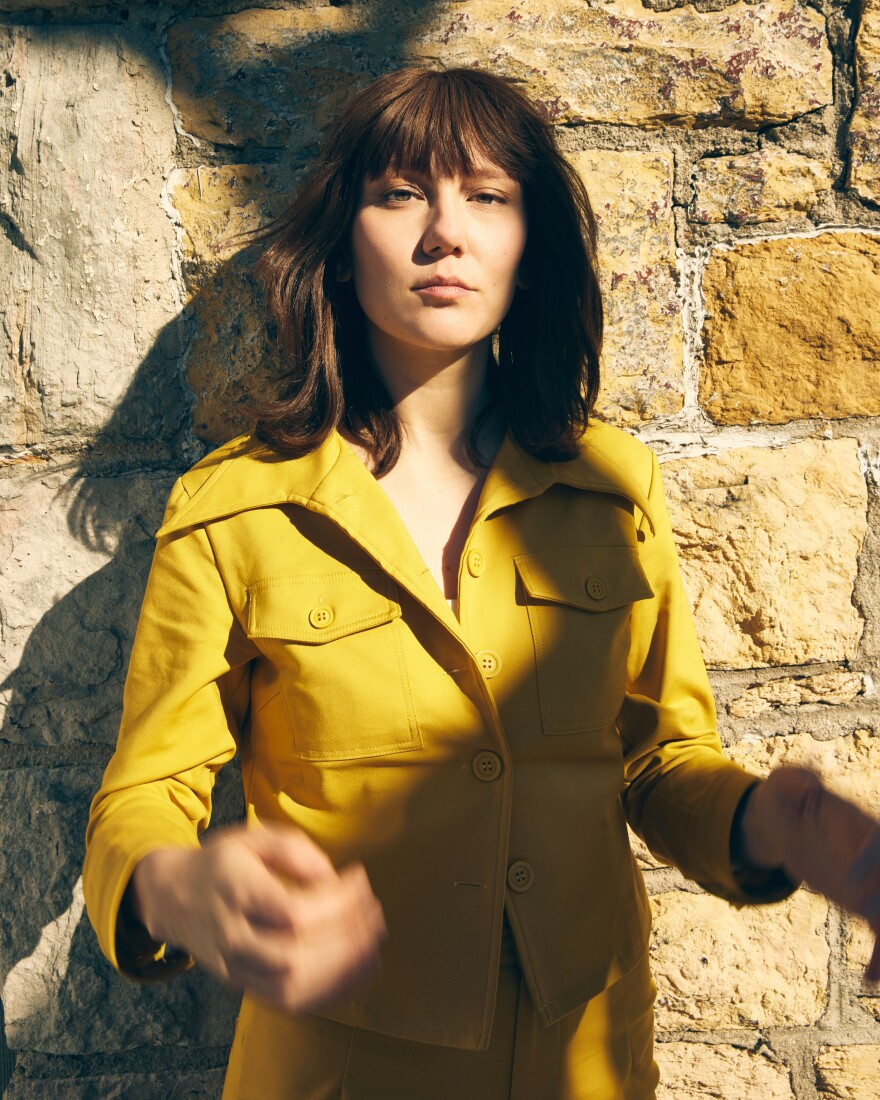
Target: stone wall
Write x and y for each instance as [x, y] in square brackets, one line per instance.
[733, 154]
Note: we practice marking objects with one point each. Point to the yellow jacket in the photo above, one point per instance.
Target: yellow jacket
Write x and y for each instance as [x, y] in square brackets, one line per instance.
[472, 765]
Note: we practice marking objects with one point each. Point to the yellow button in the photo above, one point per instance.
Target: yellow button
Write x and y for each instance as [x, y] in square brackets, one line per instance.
[476, 563]
[486, 766]
[489, 663]
[596, 589]
[520, 876]
[320, 617]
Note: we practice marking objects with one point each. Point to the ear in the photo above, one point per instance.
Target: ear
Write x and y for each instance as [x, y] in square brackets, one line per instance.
[523, 277]
[342, 270]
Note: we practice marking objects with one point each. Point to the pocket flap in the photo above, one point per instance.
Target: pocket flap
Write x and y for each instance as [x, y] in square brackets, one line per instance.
[593, 578]
[318, 609]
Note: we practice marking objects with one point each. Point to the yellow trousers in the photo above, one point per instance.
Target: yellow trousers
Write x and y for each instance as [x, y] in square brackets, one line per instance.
[601, 1051]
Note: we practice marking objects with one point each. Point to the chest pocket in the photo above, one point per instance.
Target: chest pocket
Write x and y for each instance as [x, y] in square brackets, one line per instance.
[337, 639]
[578, 602]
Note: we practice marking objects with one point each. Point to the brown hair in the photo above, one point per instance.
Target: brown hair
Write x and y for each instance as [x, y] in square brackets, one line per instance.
[545, 373]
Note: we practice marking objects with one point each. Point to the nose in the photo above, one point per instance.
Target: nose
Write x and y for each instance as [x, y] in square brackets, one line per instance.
[445, 233]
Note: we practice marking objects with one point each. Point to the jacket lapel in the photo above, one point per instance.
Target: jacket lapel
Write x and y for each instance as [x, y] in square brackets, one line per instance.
[334, 482]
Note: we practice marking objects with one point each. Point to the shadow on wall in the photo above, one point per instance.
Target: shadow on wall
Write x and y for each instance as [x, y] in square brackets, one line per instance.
[60, 997]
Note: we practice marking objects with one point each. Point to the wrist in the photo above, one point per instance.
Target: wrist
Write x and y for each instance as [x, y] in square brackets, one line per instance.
[754, 843]
[152, 889]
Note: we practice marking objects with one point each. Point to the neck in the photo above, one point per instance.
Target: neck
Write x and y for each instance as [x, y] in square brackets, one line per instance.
[437, 395]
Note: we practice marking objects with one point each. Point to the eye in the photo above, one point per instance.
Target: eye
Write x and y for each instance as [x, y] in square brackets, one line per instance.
[399, 196]
[488, 198]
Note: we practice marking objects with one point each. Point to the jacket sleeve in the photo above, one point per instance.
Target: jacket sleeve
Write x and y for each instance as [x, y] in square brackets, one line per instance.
[681, 793]
[186, 698]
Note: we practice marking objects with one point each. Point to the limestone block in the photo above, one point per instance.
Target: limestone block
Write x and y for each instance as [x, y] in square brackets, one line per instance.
[850, 765]
[700, 1071]
[276, 77]
[864, 127]
[826, 688]
[59, 994]
[233, 359]
[767, 186]
[87, 245]
[193, 1085]
[216, 205]
[74, 556]
[718, 967]
[791, 330]
[631, 194]
[849, 1073]
[859, 948]
[768, 585]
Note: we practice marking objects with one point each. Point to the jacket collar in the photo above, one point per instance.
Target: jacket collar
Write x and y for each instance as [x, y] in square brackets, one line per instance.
[332, 478]
[245, 475]
[599, 467]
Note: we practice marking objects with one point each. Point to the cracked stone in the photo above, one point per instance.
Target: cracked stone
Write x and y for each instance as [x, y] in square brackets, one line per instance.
[826, 688]
[74, 557]
[768, 585]
[276, 77]
[700, 1071]
[864, 127]
[60, 996]
[859, 948]
[719, 967]
[791, 330]
[631, 195]
[849, 1073]
[768, 186]
[850, 764]
[180, 1085]
[90, 290]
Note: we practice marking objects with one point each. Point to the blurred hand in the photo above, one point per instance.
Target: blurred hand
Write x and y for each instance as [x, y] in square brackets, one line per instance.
[792, 821]
[264, 910]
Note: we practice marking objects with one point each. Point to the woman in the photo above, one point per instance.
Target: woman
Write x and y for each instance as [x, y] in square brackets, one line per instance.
[439, 615]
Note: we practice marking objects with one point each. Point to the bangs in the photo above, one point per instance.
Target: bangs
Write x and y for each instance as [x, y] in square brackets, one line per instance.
[446, 123]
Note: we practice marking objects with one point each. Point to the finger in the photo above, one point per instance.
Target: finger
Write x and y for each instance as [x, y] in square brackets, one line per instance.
[291, 853]
[346, 900]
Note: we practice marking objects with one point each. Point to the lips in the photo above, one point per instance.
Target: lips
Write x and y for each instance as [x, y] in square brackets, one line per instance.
[434, 282]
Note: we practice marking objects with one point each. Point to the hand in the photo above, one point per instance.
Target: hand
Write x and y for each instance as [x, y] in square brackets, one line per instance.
[792, 821]
[264, 910]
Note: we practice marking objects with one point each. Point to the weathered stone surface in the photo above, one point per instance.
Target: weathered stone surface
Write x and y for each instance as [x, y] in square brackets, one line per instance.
[87, 245]
[700, 1071]
[719, 967]
[234, 358]
[768, 186]
[826, 688]
[849, 1073]
[216, 206]
[59, 995]
[859, 948]
[791, 330]
[767, 583]
[276, 77]
[74, 556]
[864, 127]
[631, 194]
[194, 1085]
[850, 765]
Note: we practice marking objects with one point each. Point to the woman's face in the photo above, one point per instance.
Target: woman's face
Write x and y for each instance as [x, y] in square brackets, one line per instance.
[435, 259]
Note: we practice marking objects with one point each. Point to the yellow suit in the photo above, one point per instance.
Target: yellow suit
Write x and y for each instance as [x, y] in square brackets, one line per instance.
[472, 765]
